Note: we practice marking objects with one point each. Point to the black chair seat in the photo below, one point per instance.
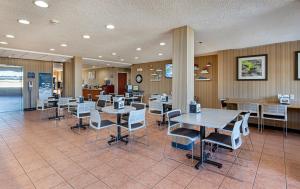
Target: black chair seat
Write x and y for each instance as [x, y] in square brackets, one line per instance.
[125, 117]
[155, 111]
[273, 116]
[133, 126]
[230, 126]
[173, 123]
[104, 123]
[219, 138]
[81, 115]
[191, 133]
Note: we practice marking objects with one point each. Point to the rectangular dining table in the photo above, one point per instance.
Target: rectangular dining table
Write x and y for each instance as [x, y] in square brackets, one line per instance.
[207, 118]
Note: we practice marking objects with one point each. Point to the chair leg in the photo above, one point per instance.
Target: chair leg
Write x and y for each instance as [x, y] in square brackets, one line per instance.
[251, 142]
[192, 152]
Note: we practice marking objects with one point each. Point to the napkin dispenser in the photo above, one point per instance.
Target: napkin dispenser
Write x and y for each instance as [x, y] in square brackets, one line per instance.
[119, 104]
[81, 100]
[195, 108]
[164, 98]
[284, 99]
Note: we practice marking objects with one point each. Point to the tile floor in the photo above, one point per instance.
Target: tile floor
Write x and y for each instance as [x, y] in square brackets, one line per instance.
[37, 153]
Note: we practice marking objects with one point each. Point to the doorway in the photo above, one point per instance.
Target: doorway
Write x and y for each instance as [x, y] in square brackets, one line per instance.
[122, 82]
[11, 86]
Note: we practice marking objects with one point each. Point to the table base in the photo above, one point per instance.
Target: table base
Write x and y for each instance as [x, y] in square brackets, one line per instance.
[80, 125]
[114, 138]
[205, 160]
[56, 117]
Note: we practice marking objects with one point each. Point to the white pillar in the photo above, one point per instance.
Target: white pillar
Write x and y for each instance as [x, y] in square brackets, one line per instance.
[78, 76]
[183, 68]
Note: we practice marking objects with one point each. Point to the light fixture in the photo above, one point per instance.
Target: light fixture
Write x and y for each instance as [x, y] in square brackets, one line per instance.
[110, 26]
[3, 43]
[63, 45]
[99, 56]
[122, 59]
[136, 57]
[41, 4]
[23, 21]
[94, 66]
[86, 37]
[9, 36]
[139, 49]
[162, 43]
[114, 54]
[107, 64]
[53, 21]
[160, 54]
[52, 49]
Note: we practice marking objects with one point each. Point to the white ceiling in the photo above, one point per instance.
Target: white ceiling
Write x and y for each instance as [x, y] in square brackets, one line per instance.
[219, 24]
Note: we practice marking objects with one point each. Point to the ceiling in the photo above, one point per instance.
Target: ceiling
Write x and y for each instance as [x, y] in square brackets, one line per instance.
[219, 24]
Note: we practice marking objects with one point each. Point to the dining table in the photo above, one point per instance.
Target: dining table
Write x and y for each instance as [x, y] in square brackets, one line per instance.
[207, 118]
[54, 103]
[118, 113]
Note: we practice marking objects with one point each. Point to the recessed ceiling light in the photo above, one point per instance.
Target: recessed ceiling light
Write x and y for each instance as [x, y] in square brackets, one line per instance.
[41, 4]
[122, 59]
[52, 49]
[94, 66]
[107, 64]
[54, 21]
[23, 21]
[99, 56]
[9, 36]
[86, 37]
[3, 43]
[162, 43]
[110, 26]
[136, 57]
[160, 54]
[139, 49]
[63, 45]
[114, 54]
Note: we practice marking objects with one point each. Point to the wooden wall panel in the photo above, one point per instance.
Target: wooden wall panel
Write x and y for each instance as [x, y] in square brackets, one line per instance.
[35, 66]
[207, 91]
[150, 87]
[281, 66]
[69, 80]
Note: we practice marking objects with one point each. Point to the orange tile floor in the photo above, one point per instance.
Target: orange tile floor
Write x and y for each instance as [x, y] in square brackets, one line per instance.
[37, 153]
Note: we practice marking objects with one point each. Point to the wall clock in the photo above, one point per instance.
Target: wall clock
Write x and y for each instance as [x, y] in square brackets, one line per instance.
[139, 78]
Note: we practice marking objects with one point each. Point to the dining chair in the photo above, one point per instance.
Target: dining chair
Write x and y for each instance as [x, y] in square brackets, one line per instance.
[137, 106]
[232, 141]
[178, 130]
[83, 110]
[62, 104]
[139, 98]
[156, 108]
[136, 121]
[274, 112]
[97, 124]
[100, 104]
[223, 103]
[244, 128]
[43, 106]
[253, 108]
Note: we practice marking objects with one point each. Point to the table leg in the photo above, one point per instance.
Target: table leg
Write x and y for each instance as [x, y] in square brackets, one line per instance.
[205, 155]
[56, 115]
[119, 136]
[80, 125]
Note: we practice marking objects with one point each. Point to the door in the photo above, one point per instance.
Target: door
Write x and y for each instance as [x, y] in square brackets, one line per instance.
[122, 82]
[11, 85]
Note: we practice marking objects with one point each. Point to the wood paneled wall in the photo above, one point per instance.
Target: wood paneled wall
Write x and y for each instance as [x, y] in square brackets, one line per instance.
[150, 87]
[281, 73]
[69, 79]
[35, 66]
[207, 91]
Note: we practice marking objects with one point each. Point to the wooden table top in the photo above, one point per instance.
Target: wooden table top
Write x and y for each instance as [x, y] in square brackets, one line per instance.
[295, 105]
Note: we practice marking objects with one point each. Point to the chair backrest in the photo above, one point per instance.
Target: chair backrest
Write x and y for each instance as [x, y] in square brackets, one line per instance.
[40, 104]
[155, 105]
[171, 114]
[101, 103]
[118, 98]
[236, 139]
[139, 98]
[277, 112]
[249, 107]
[85, 107]
[105, 97]
[138, 106]
[223, 104]
[157, 96]
[95, 119]
[137, 116]
[245, 126]
[63, 101]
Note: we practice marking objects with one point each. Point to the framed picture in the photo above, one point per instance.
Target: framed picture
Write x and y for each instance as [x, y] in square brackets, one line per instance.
[92, 75]
[297, 65]
[252, 67]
